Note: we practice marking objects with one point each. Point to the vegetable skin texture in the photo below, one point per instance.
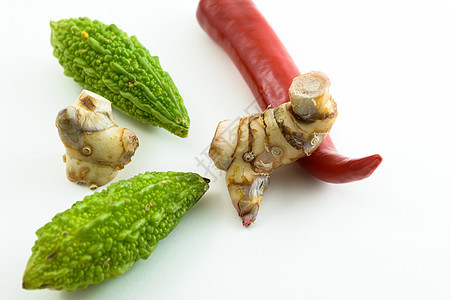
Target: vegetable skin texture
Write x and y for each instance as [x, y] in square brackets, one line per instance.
[263, 61]
[107, 232]
[105, 60]
[250, 148]
[96, 148]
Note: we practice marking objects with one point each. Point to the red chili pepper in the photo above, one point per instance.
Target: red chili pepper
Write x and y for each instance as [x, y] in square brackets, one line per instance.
[242, 31]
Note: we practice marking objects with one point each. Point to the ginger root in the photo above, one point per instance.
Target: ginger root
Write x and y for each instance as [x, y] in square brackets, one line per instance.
[96, 148]
[248, 149]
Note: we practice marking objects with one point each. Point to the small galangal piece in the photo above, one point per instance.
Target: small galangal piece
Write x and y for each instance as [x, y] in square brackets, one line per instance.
[96, 148]
[250, 148]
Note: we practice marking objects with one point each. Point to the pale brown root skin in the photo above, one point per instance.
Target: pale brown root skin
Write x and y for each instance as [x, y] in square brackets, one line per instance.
[265, 141]
[96, 148]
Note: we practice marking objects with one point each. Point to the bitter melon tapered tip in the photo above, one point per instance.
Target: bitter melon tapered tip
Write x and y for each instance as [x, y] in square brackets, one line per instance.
[32, 277]
[28, 286]
[181, 132]
[207, 180]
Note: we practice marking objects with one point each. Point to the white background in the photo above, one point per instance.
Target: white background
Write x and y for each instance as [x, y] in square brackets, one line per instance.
[387, 237]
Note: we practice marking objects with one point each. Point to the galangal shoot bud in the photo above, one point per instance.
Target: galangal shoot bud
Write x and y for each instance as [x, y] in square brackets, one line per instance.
[96, 148]
[248, 149]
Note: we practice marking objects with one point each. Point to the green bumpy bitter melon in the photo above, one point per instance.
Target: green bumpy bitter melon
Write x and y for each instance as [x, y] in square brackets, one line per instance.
[103, 235]
[105, 60]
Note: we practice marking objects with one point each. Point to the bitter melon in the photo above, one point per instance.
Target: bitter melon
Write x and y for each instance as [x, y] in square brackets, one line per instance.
[105, 60]
[103, 235]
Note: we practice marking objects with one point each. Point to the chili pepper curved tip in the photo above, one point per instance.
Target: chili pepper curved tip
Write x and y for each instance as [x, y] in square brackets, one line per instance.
[329, 166]
[360, 168]
[373, 162]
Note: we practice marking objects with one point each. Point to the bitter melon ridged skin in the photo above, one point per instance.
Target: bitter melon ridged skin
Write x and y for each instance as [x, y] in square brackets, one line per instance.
[103, 235]
[105, 60]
